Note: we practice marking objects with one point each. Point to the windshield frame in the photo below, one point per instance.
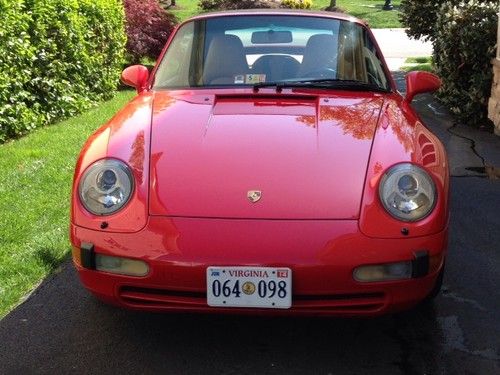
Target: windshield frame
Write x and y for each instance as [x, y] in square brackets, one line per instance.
[390, 83]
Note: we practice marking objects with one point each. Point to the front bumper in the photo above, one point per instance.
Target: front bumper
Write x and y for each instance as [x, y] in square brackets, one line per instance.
[321, 254]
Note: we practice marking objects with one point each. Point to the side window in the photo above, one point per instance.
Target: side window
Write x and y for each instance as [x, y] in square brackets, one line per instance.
[171, 71]
[374, 68]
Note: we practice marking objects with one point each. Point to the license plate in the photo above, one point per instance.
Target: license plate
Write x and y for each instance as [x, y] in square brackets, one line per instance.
[263, 287]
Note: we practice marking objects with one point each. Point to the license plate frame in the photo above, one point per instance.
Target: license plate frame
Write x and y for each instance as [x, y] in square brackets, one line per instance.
[249, 287]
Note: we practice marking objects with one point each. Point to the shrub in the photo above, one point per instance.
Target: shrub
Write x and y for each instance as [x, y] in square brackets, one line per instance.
[237, 4]
[19, 110]
[296, 4]
[465, 38]
[148, 27]
[251, 4]
[58, 57]
[419, 16]
[211, 4]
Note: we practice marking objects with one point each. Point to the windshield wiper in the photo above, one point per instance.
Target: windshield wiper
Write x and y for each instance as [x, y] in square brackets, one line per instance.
[323, 83]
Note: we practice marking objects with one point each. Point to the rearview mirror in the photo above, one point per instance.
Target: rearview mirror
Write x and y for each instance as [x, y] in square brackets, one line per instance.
[136, 76]
[420, 82]
[271, 36]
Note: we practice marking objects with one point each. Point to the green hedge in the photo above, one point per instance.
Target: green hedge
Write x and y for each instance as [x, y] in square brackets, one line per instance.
[419, 16]
[464, 35]
[57, 57]
[296, 4]
[464, 46]
[249, 4]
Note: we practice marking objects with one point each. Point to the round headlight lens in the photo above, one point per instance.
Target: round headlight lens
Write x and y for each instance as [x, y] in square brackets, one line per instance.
[106, 186]
[407, 192]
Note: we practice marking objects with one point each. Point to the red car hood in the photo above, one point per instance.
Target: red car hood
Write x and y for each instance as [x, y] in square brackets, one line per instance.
[307, 155]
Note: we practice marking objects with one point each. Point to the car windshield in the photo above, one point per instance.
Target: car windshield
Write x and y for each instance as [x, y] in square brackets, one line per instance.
[261, 50]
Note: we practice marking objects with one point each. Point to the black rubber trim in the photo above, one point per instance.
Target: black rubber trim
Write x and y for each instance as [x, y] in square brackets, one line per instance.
[420, 265]
[87, 254]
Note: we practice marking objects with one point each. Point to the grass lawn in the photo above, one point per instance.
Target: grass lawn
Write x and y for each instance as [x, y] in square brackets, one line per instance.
[369, 10]
[36, 172]
[418, 63]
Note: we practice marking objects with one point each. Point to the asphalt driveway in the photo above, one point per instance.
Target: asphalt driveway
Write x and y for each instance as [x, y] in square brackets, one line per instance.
[62, 329]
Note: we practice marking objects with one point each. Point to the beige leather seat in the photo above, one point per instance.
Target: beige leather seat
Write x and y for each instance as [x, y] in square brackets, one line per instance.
[320, 55]
[225, 60]
[276, 67]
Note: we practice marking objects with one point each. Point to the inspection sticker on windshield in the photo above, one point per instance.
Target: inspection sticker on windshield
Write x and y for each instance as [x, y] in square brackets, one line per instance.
[249, 79]
[263, 287]
[255, 78]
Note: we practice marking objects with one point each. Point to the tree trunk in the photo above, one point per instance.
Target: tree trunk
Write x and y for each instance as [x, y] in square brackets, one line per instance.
[333, 6]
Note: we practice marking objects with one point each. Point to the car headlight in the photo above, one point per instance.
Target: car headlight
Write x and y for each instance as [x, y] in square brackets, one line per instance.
[407, 192]
[106, 186]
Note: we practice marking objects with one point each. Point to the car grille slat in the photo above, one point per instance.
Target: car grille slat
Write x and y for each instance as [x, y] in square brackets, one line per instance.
[169, 299]
[158, 297]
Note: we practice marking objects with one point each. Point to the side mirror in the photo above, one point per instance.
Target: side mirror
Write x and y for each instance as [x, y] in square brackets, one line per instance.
[136, 76]
[420, 82]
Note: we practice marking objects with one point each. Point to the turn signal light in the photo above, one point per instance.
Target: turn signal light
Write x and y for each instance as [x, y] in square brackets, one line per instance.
[121, 266]
[383, 272]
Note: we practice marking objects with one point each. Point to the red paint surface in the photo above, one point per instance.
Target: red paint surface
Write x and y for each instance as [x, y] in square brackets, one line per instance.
[321, 255]
[420, 82]
[307, 156]
[136, 76]
[316, 155]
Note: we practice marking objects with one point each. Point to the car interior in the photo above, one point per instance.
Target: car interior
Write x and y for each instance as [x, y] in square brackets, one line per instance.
[246, 56]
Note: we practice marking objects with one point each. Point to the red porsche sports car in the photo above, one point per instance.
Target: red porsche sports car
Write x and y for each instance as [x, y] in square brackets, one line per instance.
[267, 165]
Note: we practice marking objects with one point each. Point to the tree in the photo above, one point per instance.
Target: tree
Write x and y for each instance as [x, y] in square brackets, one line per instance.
[388, 5]
[419, 17]
[148, 27]
[333, 5]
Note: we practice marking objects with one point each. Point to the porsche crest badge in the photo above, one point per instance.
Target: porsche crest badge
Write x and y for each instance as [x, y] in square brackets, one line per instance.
[254, 195]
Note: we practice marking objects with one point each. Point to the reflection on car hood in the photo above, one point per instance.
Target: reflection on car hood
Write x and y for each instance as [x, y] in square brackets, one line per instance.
[297, 157]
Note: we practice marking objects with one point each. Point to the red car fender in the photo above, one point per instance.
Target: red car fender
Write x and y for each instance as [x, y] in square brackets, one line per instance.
[125, 137]
[401, 136]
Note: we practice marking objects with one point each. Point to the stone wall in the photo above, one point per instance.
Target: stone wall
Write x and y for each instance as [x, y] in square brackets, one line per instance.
[494, 103]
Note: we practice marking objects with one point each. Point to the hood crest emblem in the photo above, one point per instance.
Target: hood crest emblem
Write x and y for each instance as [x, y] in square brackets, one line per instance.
[254, 195]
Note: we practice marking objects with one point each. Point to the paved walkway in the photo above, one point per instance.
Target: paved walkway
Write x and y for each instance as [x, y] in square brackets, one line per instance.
[397, 46]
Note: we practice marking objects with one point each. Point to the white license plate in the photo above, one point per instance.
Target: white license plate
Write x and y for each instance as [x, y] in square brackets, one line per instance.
[263, 287]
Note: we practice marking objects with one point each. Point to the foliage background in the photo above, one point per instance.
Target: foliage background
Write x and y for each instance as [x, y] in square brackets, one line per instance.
[148, 27]
[464, 35]
[464, 46]
[57, 58]
[249, 4]
[420, 16]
